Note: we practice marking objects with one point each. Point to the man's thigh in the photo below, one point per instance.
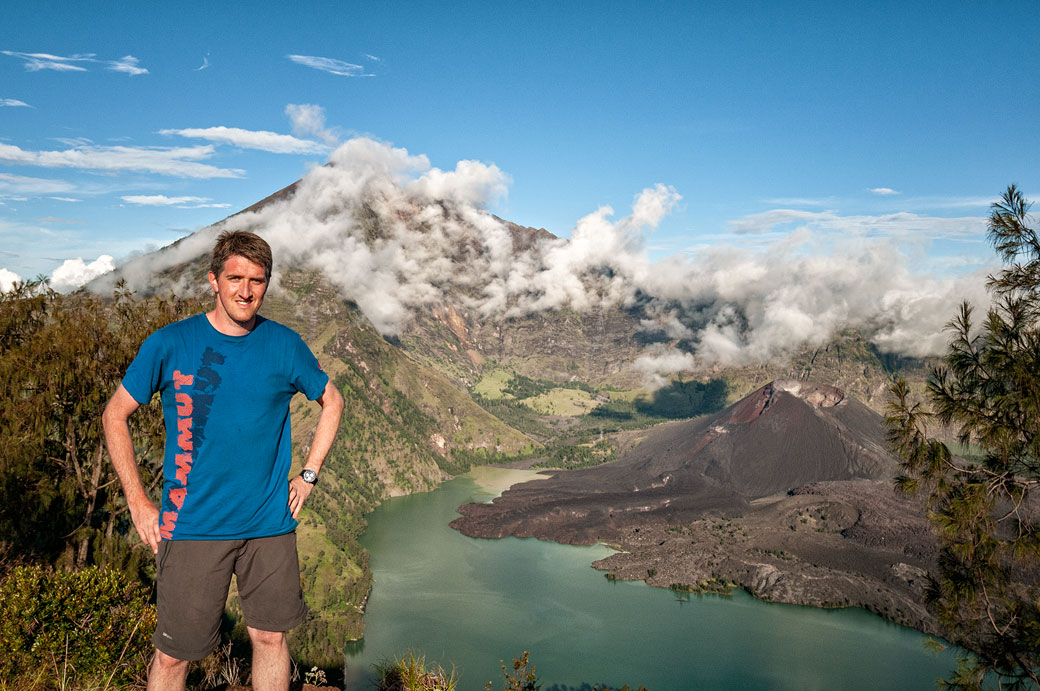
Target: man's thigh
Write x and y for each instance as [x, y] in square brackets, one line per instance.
[192, 586]
[268, 572]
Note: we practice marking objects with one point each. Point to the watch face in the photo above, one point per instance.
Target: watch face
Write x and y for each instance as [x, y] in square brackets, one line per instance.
[309, 476]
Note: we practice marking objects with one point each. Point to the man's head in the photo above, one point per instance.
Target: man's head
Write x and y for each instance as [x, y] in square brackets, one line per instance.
[244, 244]
[240, 271]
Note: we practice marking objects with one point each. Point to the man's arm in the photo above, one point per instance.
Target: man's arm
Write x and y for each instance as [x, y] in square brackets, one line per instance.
[116, 420]
[331, 403]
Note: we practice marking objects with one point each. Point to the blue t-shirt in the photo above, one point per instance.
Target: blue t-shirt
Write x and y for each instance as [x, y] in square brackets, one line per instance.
[226, 405]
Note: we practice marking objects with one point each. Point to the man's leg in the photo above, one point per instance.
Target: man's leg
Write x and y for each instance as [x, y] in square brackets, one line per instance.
[270, 660]
[167, 673]
[269, 588]
[193, 579]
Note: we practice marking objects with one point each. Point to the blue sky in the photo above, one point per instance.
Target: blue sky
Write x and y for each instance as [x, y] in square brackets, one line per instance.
[125, 125]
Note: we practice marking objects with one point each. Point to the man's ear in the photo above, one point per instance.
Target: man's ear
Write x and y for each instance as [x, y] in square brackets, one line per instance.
[213, 281]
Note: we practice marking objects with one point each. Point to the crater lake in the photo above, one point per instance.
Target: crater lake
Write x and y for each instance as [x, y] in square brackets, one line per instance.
[470, 603]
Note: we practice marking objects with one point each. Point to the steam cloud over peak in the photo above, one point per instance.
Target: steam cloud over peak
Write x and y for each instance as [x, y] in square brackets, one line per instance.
[397, 235]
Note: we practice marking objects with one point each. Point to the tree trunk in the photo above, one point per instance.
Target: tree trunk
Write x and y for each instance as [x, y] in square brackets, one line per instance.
[91, 493]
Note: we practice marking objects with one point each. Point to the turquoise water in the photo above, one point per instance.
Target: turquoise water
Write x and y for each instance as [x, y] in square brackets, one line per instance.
[472, 603]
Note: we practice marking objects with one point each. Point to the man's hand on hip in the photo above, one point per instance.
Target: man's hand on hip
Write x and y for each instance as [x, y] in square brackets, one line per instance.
[146, 519]
[298, 493]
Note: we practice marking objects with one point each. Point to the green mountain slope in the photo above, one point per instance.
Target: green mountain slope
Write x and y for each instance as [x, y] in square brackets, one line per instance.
[405, 427]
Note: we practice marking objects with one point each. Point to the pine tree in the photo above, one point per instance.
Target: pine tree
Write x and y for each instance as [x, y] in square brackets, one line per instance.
[983, 499]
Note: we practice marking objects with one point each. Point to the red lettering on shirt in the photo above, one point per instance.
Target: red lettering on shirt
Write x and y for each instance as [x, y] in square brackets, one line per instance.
[183, 461]
[169, 522]
[177, 496]
[184, 434]
[180, 380]
[184, 406]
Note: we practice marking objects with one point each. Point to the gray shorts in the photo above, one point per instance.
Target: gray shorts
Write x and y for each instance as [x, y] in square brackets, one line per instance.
[193, 581]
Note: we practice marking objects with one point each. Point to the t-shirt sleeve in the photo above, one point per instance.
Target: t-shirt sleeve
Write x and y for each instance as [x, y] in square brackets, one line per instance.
[144, 374]
[307, 374]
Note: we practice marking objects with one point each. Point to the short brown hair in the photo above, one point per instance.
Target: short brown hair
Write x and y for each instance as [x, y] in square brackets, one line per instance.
[243, 244]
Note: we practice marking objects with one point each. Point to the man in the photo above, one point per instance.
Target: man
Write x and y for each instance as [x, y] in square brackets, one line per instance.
[226, 378]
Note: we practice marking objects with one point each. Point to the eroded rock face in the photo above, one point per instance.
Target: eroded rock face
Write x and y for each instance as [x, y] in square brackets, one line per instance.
[819, 395]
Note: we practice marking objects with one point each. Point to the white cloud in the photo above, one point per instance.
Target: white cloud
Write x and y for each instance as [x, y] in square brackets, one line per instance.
[308, 120]
[73, 142]
[953, 202]
[884, 191]
[21, 184]
[472, 183]
[73, 273]
[8, 279]
[66, 199]
[34, 62]
[659, 360]
[128, 64]
[253, 139]
[895, 225]
[652, 205]
[755, 224]
[178, 202]
[178, 162]
[800, 201]
[204, 65]
[13, 103]
[331, 65]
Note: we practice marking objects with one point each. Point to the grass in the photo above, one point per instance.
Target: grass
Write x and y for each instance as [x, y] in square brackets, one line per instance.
[493, 384]
[565, 402]
[411, 672]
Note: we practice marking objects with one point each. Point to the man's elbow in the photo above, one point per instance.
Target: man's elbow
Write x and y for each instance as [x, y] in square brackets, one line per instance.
[109, 416]
[332, 400]
[118, 411]
[337, 399]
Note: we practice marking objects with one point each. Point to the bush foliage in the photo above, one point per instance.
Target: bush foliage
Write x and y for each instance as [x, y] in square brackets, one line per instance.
[89, 625]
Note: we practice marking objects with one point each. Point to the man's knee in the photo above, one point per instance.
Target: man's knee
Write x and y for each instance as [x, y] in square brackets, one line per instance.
[266, 639]
[166, 663]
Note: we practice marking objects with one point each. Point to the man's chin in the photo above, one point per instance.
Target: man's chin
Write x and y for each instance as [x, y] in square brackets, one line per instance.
[244, 314]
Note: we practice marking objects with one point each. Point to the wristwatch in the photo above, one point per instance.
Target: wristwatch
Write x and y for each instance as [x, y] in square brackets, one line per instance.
[309, 476]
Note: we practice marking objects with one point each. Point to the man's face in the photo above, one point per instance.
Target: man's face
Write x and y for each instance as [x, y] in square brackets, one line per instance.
[240, 290]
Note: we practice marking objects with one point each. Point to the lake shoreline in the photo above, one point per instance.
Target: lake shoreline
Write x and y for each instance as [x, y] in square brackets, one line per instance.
[470, 603]
[828, 545]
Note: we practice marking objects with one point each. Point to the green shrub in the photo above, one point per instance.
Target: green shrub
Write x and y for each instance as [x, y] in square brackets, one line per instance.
[412, 673]
[93, 624]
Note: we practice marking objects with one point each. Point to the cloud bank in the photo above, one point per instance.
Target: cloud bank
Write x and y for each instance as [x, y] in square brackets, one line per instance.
[8, 279]
[261, 140]
[330, 65]
[22, 184]
[74, 273]
[397, 235]
[178, 162]
[34, 62]
[308, 120]
[185, 202]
